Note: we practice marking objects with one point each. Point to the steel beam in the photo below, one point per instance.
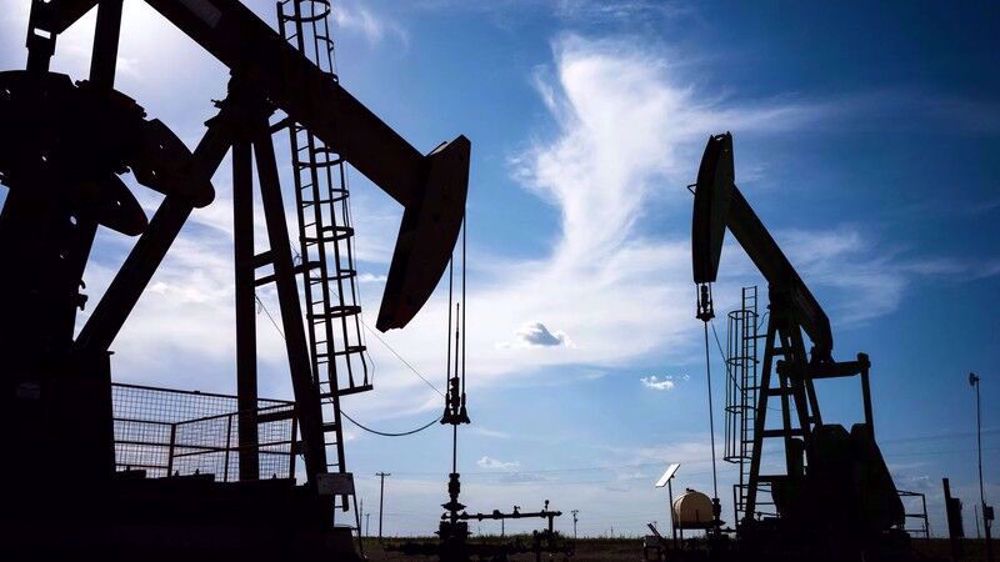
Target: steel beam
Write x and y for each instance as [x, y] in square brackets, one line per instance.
[246, 313]
[103, 61]
[131, 280]
[250, 47]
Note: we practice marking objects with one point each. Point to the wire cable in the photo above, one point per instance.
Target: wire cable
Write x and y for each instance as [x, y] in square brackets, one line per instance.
[400, 357]
[263, 307]
[711, 415]
[388, 433]
[465, 305]
[722, 354]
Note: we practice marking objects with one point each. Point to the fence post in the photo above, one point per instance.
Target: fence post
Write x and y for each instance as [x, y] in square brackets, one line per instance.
[292, 447]
[170, 451]
[229, 446]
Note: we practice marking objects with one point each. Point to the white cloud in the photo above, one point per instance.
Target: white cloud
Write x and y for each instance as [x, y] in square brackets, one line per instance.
[490, 463]
[371, 278]
[536, 334]
[623, 11]
[654, 382]
[486, 432]
[360, 19]
[657, 384]
[628, 134]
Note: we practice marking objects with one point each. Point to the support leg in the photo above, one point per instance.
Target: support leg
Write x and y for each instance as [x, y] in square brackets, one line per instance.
[122, 295]
[306, 393]
[246, 317]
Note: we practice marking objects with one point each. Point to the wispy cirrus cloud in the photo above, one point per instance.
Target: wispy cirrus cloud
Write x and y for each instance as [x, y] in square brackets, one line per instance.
[626, 132]
[361, 19]
[620, 10]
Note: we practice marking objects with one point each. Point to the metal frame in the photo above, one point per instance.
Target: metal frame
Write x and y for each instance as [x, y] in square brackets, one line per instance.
[62, 147]
[184, 418]
[924, 522]
[788, 373]
[264, 67]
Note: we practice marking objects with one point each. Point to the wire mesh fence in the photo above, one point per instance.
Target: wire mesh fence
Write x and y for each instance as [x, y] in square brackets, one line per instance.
[173, 432]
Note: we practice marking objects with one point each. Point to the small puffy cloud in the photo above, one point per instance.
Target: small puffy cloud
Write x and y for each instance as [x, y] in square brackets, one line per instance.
[656, 383]
[538, 335]
[490, 463]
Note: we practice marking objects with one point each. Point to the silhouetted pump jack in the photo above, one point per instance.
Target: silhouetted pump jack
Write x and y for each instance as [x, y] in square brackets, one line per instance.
[836, 495]
[63, 146]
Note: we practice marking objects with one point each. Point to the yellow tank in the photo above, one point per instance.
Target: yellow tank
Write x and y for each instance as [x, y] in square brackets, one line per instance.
[692, 510]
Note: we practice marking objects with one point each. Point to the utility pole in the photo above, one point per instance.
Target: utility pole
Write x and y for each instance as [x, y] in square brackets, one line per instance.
[987, 511]
[574, 512]
[381, 499]
[975, 510]
[368, 522]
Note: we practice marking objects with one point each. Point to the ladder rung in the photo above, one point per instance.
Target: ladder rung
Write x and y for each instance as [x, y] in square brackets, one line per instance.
[336, 312]
[342, 274]
[331, 234]
[337, 199]
[341, 352]
[324, 163]
[356, 389]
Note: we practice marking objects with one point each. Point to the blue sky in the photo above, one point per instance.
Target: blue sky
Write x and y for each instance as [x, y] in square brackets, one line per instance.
[865, 138]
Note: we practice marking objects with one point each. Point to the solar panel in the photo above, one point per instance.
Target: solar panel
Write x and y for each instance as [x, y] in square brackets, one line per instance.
[671, 470]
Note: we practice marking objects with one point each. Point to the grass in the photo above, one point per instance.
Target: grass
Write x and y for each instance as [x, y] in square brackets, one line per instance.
[630, 549]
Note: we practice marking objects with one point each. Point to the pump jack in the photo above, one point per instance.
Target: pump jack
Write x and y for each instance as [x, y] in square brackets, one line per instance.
[836, 496]
[62, 148]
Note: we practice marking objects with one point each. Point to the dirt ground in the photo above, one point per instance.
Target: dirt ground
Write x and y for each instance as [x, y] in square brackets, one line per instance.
[620, 549]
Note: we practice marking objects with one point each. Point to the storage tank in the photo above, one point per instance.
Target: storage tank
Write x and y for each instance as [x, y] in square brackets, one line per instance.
[692, 510]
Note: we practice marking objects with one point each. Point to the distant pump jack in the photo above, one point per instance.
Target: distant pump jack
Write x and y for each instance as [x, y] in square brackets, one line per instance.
[825, 504]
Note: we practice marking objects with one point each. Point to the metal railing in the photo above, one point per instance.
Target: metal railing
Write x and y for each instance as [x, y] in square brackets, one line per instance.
[918, 511]
[165, 432]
